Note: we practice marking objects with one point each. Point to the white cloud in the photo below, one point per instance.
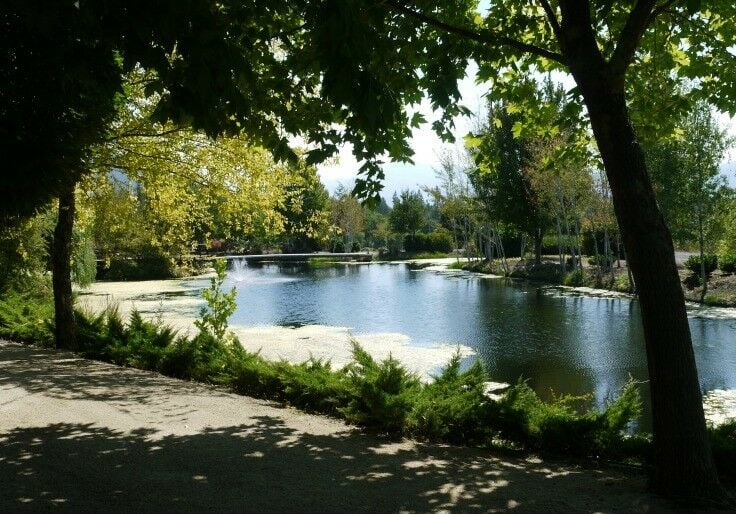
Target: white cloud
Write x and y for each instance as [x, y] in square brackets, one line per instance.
[424, 142]
[427, 146]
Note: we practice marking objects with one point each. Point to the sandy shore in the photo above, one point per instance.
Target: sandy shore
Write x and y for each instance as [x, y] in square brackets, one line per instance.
[82, 436]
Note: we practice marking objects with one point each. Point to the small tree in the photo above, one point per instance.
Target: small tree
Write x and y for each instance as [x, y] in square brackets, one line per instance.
[220, 306]
[409, 213]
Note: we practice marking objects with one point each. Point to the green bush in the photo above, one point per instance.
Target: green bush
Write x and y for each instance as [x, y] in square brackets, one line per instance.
[601, 260]
[382, 393]
[147, 263]
[439, 241]
[727, 263]
[693, 264]
[141, 344]
[313, 386]
[454, 407]
[84, 260]
[564, 425]
[723, 443]
[24, 246]
[202, 358]
[27, 317]
[574, 278]
[220, 305]
[338, 246]
[139, 268]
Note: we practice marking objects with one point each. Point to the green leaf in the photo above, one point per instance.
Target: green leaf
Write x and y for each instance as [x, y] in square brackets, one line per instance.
[517, 129]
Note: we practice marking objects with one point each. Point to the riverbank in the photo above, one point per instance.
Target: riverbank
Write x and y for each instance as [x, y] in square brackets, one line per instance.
[176, 303]
[84, 436]
[721, 286]
[289, 314]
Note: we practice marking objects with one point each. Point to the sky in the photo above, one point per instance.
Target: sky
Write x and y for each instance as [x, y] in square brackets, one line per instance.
[428, 147]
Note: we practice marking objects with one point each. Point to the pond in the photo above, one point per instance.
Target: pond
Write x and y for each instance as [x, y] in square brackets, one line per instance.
[557, 340]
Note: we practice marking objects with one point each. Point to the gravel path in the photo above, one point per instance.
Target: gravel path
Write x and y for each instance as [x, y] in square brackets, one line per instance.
[82, 436]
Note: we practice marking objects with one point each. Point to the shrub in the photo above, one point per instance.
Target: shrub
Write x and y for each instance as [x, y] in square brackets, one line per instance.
[253, 375]
[27, 317]
[338, 246]
[382, 393]
[202, 358]
[24, 246]
[439, 241]
[574, 278]
[601, 260]
[144, 267]
[727, 263]
[622, 282]
[563, 425]
[314, 386]
[220, 305]
[355, 247]
[723, 443]
[693, 264]
[454, 407]
[84, 260]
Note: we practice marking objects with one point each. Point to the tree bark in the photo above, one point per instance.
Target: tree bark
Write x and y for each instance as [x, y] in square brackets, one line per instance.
[538, 239]
[65, 325]
[559, 246]
[683, 463]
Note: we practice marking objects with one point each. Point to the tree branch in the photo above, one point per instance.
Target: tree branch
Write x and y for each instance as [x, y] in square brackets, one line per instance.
[123, 135]
[628, 41]
[552, 17]
[489, 38]
[662, 8]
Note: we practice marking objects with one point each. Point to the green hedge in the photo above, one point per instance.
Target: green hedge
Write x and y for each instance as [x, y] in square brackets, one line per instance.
[727, 263]
[439, 241]
[693, 264]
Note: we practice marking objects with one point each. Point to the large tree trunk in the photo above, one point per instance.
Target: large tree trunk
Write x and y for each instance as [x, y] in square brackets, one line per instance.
[538, 239]
[683, 462]
[65, 325]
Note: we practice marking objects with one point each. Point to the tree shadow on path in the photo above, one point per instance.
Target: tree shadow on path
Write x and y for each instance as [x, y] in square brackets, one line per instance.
[267, 467]
[134, 441]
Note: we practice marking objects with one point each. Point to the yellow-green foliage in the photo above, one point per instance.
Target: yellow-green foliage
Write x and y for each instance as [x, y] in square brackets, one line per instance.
[26, 317]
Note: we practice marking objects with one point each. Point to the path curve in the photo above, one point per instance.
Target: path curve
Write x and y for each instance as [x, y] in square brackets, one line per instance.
[81, 436]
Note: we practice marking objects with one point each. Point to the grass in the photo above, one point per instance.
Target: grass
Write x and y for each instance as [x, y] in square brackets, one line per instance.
[429, 255]
[323, 262]
[382, 396]
[458, 265]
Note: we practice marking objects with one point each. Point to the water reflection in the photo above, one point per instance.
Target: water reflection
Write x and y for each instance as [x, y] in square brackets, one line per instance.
[568, 344]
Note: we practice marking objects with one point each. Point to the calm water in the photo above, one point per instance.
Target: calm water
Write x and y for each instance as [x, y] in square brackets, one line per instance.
[561, 343]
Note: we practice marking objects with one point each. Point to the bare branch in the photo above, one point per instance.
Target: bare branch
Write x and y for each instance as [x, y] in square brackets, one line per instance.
[628, 41]
[480, 37]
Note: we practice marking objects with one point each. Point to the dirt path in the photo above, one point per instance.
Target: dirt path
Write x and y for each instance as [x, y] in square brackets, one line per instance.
[82, 436]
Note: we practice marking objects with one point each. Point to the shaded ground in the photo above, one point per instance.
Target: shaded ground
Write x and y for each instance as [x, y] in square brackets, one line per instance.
[83, 436]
